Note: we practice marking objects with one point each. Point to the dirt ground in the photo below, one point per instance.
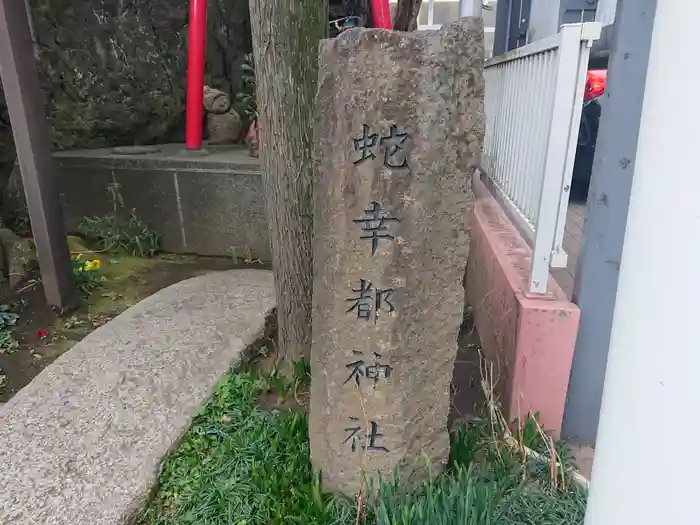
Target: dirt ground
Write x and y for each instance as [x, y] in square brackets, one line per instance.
[45, 334]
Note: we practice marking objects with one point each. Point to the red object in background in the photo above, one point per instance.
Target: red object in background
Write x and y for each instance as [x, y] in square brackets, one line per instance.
[196, 55]
[595, 83]
[381, 14]
[251, 139]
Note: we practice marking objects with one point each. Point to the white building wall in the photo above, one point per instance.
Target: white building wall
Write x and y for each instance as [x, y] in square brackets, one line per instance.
[644, 472]
[605, 14]
[544, 19]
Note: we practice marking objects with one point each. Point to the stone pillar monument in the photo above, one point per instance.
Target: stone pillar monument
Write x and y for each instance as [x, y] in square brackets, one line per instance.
[399, 130]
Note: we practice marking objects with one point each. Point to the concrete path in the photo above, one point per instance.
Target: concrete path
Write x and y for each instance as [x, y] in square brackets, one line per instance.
[83, 442]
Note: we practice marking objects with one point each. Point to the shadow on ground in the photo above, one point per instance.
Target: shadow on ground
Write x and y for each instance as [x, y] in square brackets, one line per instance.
[466, 397]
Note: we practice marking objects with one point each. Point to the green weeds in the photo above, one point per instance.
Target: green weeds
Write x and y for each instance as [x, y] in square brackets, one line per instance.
[8, 319]
[486, 484]
[119, 231]
[242, 465]
[246, 97]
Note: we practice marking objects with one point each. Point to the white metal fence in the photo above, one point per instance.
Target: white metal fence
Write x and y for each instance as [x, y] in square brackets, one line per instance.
[534, 97]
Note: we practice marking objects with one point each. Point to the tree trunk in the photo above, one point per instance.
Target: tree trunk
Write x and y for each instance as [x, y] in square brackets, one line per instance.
[406, 17]
[286, 35]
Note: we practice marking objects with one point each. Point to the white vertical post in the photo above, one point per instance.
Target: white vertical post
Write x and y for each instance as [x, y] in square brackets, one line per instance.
[431, 12]
[646, 469]
[589, 33]
[469, 8]
[557, 148]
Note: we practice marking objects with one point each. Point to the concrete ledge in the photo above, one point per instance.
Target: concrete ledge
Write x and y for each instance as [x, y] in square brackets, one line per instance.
[199, 204]
[529, 339]
[82, 444]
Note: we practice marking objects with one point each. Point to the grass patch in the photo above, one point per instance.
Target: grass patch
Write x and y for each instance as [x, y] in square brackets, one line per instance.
[242, 465]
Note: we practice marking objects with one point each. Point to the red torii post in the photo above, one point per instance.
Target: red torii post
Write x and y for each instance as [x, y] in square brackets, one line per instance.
[381, 14]
[196, 58]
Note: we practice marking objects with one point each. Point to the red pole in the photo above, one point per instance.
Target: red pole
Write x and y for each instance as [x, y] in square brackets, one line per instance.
[196, 56]
[381, 14]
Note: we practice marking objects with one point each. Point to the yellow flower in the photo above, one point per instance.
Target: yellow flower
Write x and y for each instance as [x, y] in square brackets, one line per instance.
[90, 266]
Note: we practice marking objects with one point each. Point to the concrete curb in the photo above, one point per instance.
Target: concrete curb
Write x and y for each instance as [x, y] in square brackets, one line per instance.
[83, 443]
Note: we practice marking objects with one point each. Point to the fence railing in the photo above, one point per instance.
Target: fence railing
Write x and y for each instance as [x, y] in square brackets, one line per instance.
[534, 97]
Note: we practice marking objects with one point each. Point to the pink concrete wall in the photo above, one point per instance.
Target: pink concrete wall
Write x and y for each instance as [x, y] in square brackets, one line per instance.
[528, 339]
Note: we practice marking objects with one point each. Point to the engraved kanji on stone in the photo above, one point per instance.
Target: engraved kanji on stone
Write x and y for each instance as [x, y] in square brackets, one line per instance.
[372, 438]
[371, 441]
[354, 434]
[393, 147]
[373, 225]
[369, 301]
[365, 144]
[373, 371]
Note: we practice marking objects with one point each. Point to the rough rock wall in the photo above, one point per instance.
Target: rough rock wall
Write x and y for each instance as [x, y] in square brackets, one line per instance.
[110, 69]
[228, 42]
[114, 71]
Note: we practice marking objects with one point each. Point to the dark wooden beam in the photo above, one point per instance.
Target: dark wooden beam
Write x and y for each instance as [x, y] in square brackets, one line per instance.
[20, 83]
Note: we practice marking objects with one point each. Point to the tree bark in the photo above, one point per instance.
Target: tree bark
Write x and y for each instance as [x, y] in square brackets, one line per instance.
[286, 35]
[406, 17]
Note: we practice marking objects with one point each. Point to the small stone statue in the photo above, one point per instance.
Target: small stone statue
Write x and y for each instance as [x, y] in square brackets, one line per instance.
[224, 124]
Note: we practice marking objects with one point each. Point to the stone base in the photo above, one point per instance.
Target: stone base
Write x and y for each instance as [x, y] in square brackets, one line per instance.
[528, 338]
[201, 152]
[203, 204]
